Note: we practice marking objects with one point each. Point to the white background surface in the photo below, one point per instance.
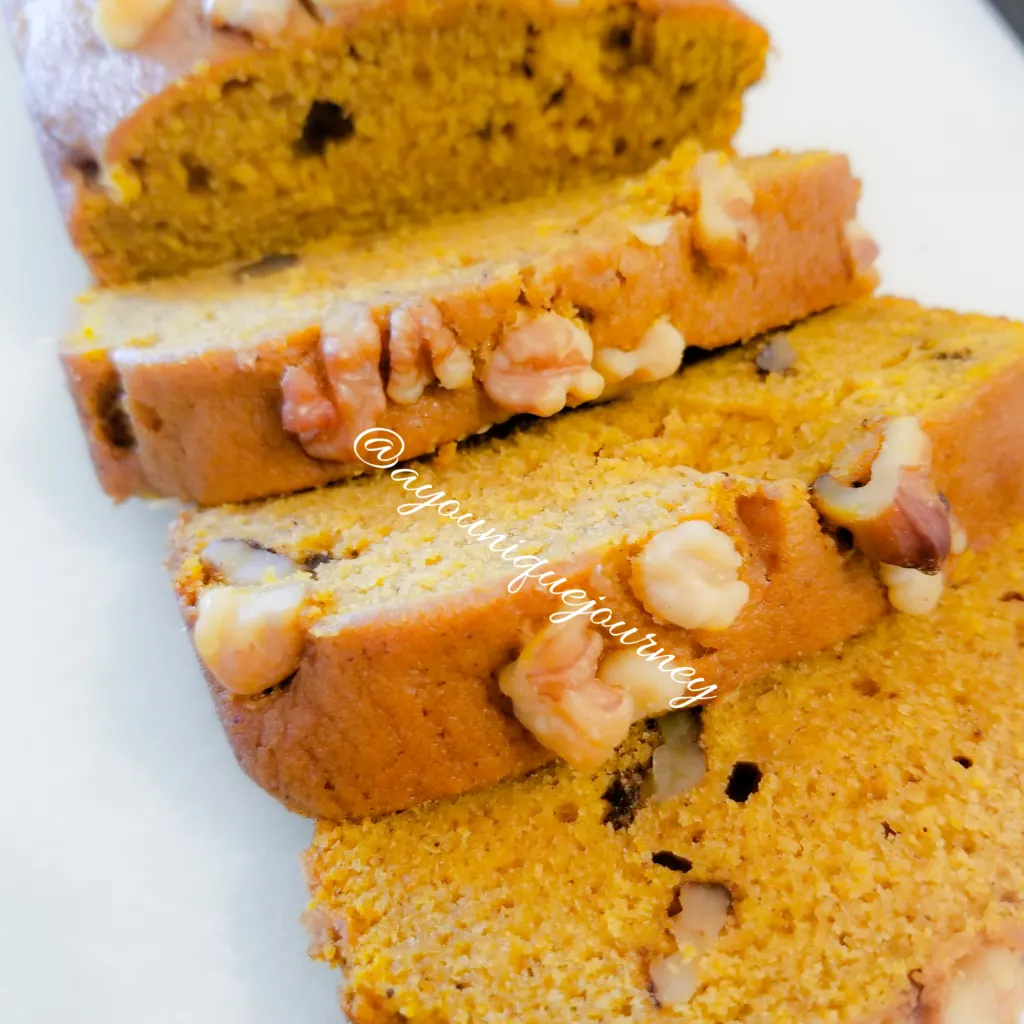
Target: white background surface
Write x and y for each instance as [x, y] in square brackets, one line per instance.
[142, 877]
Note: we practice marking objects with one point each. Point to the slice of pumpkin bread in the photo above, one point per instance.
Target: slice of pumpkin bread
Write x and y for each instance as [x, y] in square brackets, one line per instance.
[188, 133]
[370, 648]
[255, 380]
[841, 843]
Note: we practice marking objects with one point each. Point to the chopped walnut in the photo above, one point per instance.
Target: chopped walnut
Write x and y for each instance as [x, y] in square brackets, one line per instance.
[910, 590]
[725, 228]
[673, 979]
[678, 764]
[896, 516]
[689, 575]
[703, 911]
[701, 918]
[986, 988]
[122, 24]
[329, 401]
[421, 350]
[651, 689]
[540, 364]
[653, 232]
[246, 562]
[777, 356]
[659, 355]
[262, 19]
[861, 248]
[557, 695]
[251, 637]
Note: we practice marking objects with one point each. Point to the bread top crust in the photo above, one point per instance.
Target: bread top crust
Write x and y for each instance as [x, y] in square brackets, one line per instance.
[86, 97]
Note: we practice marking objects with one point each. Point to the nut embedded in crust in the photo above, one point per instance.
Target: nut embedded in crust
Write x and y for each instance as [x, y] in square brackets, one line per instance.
[540, 364]
[328, 402]
[986, 988]
[659, 355]
[262, 19]
[251, 637]
[557, 695]
[689, 575]
[724, 228]
[421, 349]
[897, 516]
[122, 24]
[245, 562]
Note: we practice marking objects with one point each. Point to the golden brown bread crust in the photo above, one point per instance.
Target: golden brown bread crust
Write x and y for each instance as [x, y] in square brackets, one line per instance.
[393, 711]
[207, 427]
[87, 100]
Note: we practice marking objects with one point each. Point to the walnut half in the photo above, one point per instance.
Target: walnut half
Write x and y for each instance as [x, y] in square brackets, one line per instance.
[540, 364]
[557, 695]
[892, 507]
[335, 394]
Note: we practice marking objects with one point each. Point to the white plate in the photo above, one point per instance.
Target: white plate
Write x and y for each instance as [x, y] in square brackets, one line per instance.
[142, 877]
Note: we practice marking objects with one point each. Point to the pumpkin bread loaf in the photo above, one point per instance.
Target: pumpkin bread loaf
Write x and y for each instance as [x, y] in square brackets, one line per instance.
[839, 843]
[254, 380]
[187, 133]
[419, 634]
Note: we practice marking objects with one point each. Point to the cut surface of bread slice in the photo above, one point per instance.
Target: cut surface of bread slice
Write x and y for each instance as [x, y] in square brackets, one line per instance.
[846, 849]
[254, 381]
[393, 666]
[222, 131]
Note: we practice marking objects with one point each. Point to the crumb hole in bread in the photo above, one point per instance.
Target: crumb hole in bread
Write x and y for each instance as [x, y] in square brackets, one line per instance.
[620, 146]
[964, 762]
[658, 143]
[744, 781]
[867, 688]
[672, 861]
[114, 421]
[198, 175]
[888, 831]
[527, 69]
[555, 99]
[624, 797]
[1012, 595]
[567, 813]
[326, 122]
[955, 355]
[233, 85]
[685, 89]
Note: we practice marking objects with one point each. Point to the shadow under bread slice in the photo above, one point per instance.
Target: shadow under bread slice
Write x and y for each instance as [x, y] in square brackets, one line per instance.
[255, 380]
[839, 842]
[393, 663]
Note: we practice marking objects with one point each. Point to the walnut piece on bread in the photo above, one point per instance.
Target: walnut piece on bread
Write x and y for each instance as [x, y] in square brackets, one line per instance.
[892, 507]
[540, 363]
[703, 911]
[423, 349]
[251, 637]
[121, 24]
[557, 694]
[861, 249]
[987, 986]
[881, 490]
[689, 575]
[262, 19]
[659, 355]
[245, 562]
[724, 228]
[335, 394]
